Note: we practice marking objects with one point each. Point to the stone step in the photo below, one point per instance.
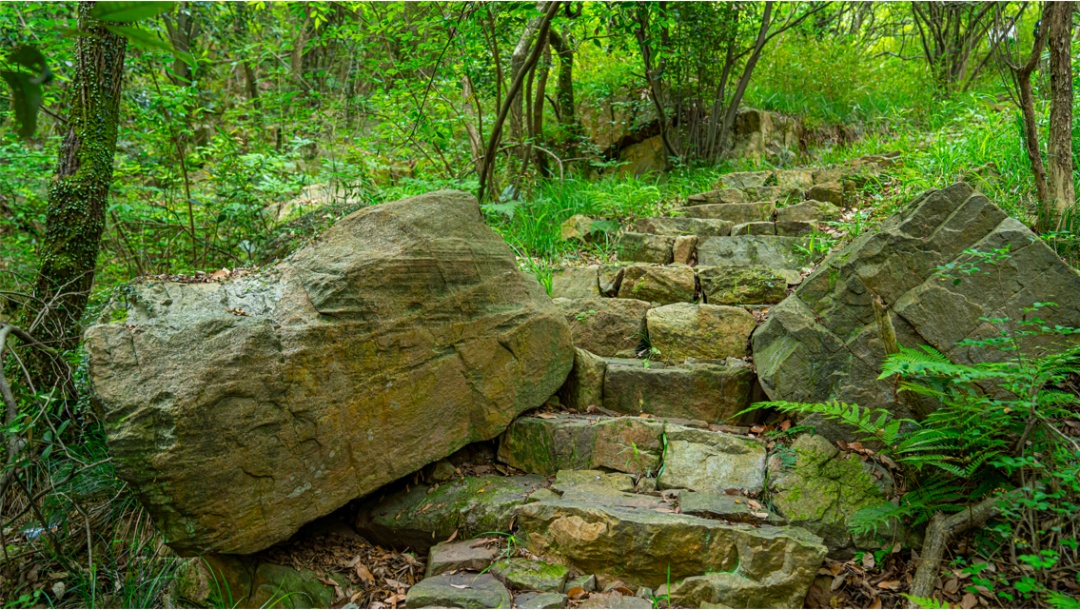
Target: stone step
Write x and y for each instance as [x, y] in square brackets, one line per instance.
[681, 225]
[735, 213]
[773, 252]
[677, 456]
[758, 567]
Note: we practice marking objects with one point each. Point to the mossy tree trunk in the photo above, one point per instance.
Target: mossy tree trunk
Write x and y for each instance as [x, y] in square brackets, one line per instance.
[1059, 148]
[78, 194]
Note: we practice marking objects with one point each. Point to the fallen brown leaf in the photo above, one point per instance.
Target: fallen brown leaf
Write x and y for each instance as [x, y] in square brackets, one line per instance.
[968, 601]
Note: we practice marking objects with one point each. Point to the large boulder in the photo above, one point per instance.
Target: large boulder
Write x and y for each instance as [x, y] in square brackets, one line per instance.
[240, 411]
[824, 342]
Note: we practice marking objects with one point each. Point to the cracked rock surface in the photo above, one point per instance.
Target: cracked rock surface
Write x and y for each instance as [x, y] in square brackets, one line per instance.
[239, 411]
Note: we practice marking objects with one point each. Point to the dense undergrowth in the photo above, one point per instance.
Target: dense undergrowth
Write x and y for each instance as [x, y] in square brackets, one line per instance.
[83, 540]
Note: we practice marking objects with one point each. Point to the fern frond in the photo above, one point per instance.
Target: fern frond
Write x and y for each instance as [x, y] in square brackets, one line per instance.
[870, 519]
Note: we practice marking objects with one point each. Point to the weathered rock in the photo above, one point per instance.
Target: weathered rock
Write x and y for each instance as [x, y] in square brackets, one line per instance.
[732, 286]
[540, 600]
[418, 517]
[662, 285]
[578, 227]
[823, 490]
[723, 195]
[619, 481]
[719, 505]
[794, 179]
[286, 587]
[829, 192]
[610, 280]
[753, 252]
[546, 446]
[587, 583]
[605, 326]
[758, 134]
[794, 228]
[645, 248]
[735, 213]
[442, 471]
[605, 540]
[808, 211]
[240, 411]
[828, 174]
[647, 156]
[707, 332]
[459, 591]
[771, 194]
[679, 225]
[760, 227]
[684, 251]
[585, 384]
[530, 575]
[823, 343]
[740, 180]
[613, 599]
[702, 460]
[719, 590]
[700, 391]
[460, 555]
[575, 282]
[615, 121]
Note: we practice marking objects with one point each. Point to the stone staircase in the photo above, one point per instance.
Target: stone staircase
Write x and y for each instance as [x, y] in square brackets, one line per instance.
[634, 487]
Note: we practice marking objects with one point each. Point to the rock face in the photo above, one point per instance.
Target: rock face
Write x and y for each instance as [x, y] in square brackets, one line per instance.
[240, 411]
[418, 517]
[824, 342]
[774, 564]
[708, 332]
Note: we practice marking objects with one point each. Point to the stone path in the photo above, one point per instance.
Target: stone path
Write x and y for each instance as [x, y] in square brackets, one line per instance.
[634, 487]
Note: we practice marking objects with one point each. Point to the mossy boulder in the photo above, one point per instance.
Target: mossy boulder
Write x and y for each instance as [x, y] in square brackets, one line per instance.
[524, 574]
[825, 343]
[547, 445]
[664, 285]
[239, 411]
[417, 518]
[463, 590]
[823, 489]
[645, 248]
[730, 286]
[604, 326]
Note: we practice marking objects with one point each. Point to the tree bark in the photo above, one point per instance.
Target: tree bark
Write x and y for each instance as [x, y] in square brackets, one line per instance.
[564, 89]
[1022, 77]
[77, 197]
[744, 80]
[1059, 148]
[181, 35]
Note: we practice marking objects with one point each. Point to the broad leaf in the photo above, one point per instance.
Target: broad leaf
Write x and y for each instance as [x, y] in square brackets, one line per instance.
[25, 99]
[129, 11]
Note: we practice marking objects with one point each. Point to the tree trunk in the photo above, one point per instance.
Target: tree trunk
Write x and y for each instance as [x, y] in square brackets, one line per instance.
[181, 35]
[564, 91]
[748, 71]
[1022, 77]
[517, 64]
[1059, 148]
[77, 197]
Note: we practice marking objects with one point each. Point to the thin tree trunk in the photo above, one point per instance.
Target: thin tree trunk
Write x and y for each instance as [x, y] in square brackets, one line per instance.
[181, 35]
[642, 33]
[564, 91]
[517, 102]
[515, 89]
[78, 195]
[1022, 74]
[1059, 147]
[744, 80]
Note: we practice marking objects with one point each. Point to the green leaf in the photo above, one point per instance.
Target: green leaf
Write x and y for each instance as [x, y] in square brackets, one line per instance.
[129, 11]
[25, 99]
[140, 38]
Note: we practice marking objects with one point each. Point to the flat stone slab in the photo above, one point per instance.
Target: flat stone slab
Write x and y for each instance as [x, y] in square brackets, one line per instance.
[681, 225]
[741, 180]
[521, 573]
[761, 227]
[702, 460]
[707, 332]
[547, 445]
[459, 591]
[771, 252]
[699, 391]
[460, 555]
[607, 541]
[605, 326]
[576, 282]
[808, 211]
[725, 195]
[733, 286]
[619, 481]
[540, 600]
[735, 213]
[719, 505]
[615, 600]
[417, 518]
[664, 285]
[645, 248]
